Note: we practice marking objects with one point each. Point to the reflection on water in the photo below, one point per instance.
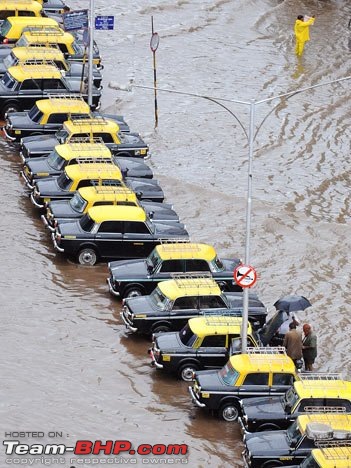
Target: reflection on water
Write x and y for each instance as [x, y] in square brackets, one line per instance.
[68, 363]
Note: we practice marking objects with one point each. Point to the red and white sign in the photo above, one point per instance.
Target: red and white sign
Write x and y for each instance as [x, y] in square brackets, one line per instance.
[245, 276]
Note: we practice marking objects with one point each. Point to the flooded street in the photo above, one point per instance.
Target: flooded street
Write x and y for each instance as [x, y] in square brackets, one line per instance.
[68, 365]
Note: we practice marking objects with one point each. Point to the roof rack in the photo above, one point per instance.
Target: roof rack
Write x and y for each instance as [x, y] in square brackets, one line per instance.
[266, 350]
[320, 376]
[16, 1]
[95, 164]
[164, 242]
[344, 452]
[118, 190]
[71, 96]
[45, 30]
[174, 247]
[214, 321]
[43, 67]
[325, 409]
[90, 121]
[86, 139]
[196, 280]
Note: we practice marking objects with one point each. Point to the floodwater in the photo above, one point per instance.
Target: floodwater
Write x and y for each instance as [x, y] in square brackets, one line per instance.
[68, 365]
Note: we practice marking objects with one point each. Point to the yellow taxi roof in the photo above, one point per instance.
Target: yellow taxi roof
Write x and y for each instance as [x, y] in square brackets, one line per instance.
[337, 422]
[186, 250]
[117, 213]
[38, 53]
[24, 5]
[216, 324]
[189, 287]
[333, 457]
[108, 193]
[322, 388]
[83, 150]
[51, 36]
[91, 124]
[28, 21]
[263, 362]
[93, 171]
[25, 72]
[57, 104]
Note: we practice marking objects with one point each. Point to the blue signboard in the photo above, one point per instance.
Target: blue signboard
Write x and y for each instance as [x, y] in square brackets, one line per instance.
[75, 20]
[104, 22]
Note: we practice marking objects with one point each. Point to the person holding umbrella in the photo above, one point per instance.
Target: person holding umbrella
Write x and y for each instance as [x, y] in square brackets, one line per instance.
[309, 346]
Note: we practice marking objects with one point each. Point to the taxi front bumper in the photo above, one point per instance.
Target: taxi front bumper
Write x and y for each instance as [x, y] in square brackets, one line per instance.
[153, 359]
[195, 399]
[128, 323]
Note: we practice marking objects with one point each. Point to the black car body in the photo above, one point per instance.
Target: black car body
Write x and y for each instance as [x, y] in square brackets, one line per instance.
[108, 232]
[23, 85]
[139, 277]
[163, 310]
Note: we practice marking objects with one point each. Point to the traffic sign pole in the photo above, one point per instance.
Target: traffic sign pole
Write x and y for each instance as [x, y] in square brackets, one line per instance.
[91, 53]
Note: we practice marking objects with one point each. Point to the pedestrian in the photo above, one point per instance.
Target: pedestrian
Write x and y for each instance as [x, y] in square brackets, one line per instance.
[302, 32]
[293, 343]
[309, 346]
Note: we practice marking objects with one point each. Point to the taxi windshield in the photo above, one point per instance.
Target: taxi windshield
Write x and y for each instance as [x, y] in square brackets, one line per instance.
[309, 462]
[159, 300]
[293, 433]
[22, 42]
[64, 182]
[153, 260]
[5, 28]
[61, 136]
[8, 81]
[228, 374]
[10, 60]
[187, 336]
[290, 398]
[86, 223]
[78, 203]
[56, 161]
[35, 114]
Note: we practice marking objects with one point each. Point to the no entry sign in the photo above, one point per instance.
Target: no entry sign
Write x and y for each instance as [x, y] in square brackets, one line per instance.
[245, 276]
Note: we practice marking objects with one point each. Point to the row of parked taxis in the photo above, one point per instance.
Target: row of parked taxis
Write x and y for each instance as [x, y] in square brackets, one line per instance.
[87, 175]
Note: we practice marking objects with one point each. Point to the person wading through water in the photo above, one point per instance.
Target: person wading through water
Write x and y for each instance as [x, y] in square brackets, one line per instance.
[302, 32]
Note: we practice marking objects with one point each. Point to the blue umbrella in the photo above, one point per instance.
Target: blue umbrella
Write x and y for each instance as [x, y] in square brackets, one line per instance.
[292, 303]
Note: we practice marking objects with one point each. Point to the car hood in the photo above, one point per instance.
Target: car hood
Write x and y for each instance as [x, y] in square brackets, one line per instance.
[144, 188]
[128, 269]
[209, 379]
[19, 120]
[263, 406]
[68, 228]
[63, 209]
[132, 139]
[140, 304]
[267, 442]
[131, 167]
[170, 230]
[236, 299]
[39, 144]
[39, 165]
[49, 187]
[159, 212]
[168, 341]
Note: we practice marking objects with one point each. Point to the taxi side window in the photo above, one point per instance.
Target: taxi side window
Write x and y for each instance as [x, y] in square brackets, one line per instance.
[57, 118]
[135, 227]
[5, 13]
[53, 83]
[106, 137]
[197, 265]
[103, 203]
[184, 303]
[171, 266]
[63, 48]
[214, 341]
[30, 85]
[60, 65]
[283, 379]
[85, 183]
[256, 378]
[25, 13]
[111, 227]
[211, 302]
[338, 402]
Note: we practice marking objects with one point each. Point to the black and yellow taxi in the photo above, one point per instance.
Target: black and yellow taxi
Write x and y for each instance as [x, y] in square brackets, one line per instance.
[72, 48]
[140, 277]
[23, 85]
[85, 174]
[72, 153]
[262, 371]
[52, 6]
[269, 449]
[74, 70]
[116, 231]
[48, 115]
[88, 197]
[336, 455]
[90, 129]
[19, 8]
[12, 27]
[203, 343]
[174, 301]
[313, 393]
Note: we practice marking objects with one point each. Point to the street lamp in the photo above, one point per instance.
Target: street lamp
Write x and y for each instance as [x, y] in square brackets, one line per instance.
[250, 136]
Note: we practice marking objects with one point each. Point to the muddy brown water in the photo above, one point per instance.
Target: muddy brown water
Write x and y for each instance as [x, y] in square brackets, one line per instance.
[68, 364]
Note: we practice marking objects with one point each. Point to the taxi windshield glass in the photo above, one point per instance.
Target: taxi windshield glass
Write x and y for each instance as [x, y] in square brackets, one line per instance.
[8, 81]
[64, 182]
[153, 260]
[61, 135]
[5, 28]
[309, 462]
[290, 398]
[187, 336]
[56, 161]
[86, 223]
[22, 42]
[10, 60]
[293, 433]
[159, 300]
[35, 114]
[78, 203]
[228, 374]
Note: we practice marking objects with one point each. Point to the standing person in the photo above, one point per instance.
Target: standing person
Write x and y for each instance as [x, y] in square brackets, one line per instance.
[309, 346]
[302, 32]
[293, 343]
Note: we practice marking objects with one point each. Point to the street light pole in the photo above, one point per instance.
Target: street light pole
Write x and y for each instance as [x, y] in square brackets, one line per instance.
[91, 53]
[250, 136]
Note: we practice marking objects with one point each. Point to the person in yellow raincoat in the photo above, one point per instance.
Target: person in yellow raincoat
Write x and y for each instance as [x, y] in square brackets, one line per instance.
[302, 32]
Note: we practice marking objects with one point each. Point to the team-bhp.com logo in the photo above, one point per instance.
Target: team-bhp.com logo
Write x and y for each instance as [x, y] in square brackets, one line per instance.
[97, 447]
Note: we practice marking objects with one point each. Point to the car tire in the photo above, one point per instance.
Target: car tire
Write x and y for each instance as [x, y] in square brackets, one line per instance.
[229, 412]
[10, 107]
[267, 427]
[161, 329]
[186, 371]
[271, 464]
[134, 291]
[87, 256]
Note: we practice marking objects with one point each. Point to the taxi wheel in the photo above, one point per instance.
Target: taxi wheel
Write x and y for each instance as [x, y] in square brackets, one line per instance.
[161, 329]
[229, 412]
[87, 257]
[271, 464]
[10, 107]
[186, 372]
[133, 291]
